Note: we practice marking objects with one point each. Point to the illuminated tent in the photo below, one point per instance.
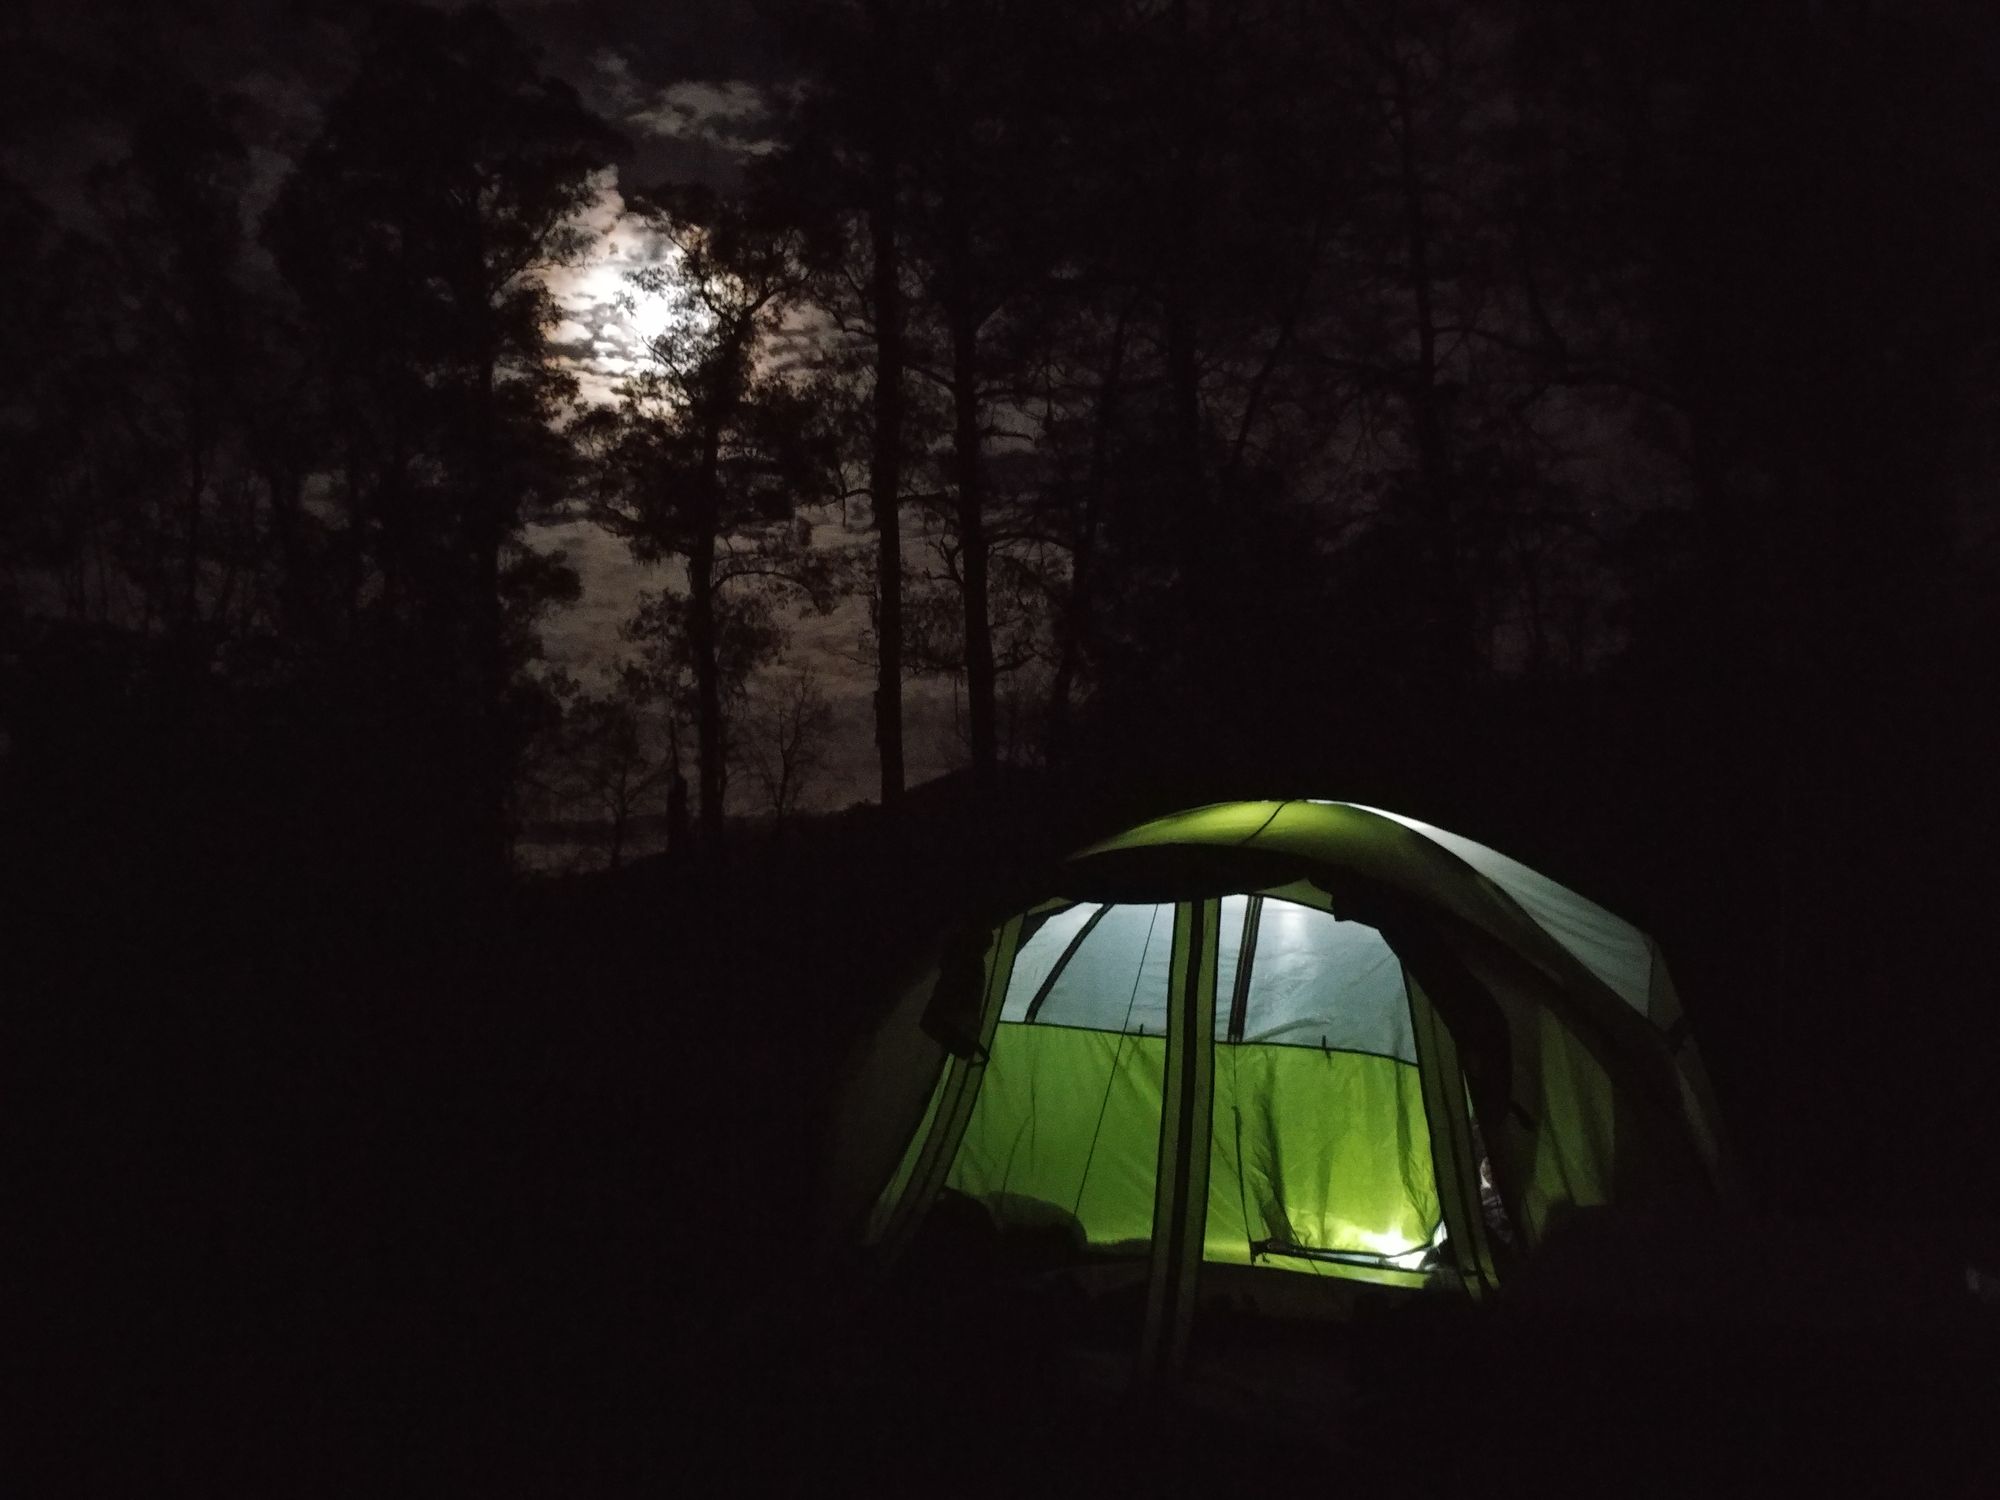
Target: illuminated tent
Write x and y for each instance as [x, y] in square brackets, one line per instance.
[1304, 1036]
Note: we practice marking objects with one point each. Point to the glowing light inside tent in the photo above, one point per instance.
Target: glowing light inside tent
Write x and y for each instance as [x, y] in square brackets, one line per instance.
[1389, 1246]
[1397, 1249]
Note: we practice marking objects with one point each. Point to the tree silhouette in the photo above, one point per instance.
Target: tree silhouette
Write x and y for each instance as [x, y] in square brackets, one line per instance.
[786, 745]
[416, 231]
[841, 170]
[1805, 373]
[173, 222]
[710, 451]
[616, 751]
[62, 447]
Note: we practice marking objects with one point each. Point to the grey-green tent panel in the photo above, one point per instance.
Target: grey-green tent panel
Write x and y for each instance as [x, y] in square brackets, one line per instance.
[1322, 986]
[1109, 967]
[1315, 981]
[1312, 980]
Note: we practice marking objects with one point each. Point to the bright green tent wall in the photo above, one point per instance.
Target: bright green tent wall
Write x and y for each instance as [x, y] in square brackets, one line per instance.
[1330, 1146]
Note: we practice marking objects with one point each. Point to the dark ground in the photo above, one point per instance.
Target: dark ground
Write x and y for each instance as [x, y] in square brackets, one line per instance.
[316, 1199]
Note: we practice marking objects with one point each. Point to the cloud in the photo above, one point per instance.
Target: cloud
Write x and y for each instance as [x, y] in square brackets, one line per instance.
[588, 291]
[602, 323]
[606, 209]
[732, 115]
[595, 387]
[614, 83]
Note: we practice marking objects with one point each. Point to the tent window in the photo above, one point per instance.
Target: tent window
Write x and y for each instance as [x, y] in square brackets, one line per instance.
[1238, 934]
[1316, 981]
[1048, 985]
[1041, 954]
[1286, 975]
[1100, 968]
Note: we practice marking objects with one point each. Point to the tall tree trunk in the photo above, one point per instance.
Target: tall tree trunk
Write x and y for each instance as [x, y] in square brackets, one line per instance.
[1182, 336]
[354, 553]
[885, 468]
[712, 779]
[1451, 648]
[1184, 416]
[620, 813]
[1079, 600]
[282, 488]
[980, 686]
[965, 321]
[488, 751]
[191, 564]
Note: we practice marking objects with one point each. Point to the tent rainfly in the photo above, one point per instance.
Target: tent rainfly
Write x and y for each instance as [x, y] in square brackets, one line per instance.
[1302, 1035]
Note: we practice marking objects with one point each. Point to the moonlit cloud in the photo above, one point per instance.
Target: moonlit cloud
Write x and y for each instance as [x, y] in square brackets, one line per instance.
[732, 115]
[613, 77]
[605, 321]
[600, 338]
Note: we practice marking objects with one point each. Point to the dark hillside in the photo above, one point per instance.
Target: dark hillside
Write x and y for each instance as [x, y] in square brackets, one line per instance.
[516, 1194]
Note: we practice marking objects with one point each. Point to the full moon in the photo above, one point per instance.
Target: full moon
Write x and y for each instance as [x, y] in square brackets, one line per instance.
[646, 313]
[616, 303]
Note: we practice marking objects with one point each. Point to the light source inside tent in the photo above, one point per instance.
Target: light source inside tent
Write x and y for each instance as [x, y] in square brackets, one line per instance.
[1396, 1251]
[1320, 1150]
[1299, 1134]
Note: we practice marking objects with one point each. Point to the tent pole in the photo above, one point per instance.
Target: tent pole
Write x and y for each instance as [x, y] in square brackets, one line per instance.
[1180, 1202]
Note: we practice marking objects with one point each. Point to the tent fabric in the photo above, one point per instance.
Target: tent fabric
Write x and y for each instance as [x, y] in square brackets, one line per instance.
[1456, 1154]
[1611, 948]
[1312, 981]
[1316, 981]
[1312, 1069]
[1399, 857]
[1043, 952]
[1325, 1151]
[1066, 1133]
[1180, 1197]
[1114, 979]
[930, 1154]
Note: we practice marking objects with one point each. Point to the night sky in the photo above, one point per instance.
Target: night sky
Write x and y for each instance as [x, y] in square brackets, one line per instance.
[688, 83]
[695, 88]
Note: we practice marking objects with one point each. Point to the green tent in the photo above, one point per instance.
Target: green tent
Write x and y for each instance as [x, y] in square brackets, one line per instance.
[1304, 1036]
